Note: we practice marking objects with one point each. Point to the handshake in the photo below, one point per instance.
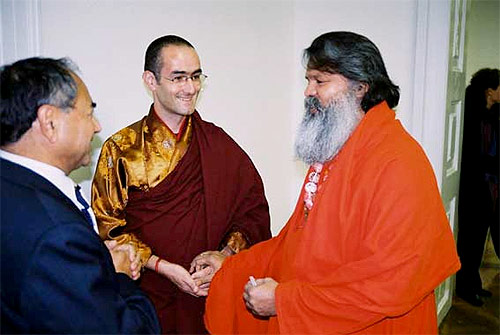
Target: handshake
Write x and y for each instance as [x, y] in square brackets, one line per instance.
[196, 281]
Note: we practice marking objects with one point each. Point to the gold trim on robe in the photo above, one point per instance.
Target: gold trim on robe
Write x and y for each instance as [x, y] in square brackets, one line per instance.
[139, 156]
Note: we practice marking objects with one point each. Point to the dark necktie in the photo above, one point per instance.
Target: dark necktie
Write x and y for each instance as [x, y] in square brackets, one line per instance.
[84, 203]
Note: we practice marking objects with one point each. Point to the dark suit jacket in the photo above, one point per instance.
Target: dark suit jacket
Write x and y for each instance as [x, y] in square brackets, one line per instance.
[57, 276]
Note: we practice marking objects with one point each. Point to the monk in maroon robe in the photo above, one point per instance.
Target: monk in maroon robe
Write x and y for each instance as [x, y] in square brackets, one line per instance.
[176, 187]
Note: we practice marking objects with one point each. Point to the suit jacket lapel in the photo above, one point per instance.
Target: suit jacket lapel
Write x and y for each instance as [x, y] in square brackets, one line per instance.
[20, 175]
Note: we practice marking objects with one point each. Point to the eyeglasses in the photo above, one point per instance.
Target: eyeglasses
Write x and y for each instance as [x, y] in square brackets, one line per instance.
[197, 79]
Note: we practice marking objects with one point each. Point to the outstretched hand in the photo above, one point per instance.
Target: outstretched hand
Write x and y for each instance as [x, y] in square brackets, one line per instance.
[179, 276]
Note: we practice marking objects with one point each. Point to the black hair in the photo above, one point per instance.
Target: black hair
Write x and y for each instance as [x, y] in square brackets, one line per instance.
[153, 61]
[480, 82]
[356, 58]
[28, 84]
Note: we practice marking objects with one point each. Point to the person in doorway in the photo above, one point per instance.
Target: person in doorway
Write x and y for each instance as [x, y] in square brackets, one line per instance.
[368, 241]
[57, 275]
[478, 195]
[176, 187]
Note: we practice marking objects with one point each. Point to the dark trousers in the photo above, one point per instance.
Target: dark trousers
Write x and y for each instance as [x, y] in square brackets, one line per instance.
[472, 232]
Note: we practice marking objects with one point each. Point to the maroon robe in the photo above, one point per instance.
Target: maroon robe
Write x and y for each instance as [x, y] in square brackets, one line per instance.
[214, 190]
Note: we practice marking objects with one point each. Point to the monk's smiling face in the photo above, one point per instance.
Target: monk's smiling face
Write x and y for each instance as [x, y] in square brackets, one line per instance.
[173, 100]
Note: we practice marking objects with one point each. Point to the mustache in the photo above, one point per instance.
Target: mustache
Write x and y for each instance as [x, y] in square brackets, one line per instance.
[312, 103]
[324, 130]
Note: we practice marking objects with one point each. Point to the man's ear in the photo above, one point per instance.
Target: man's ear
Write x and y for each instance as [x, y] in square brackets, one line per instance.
[361, 89]
[490, 93]
[47, 121]
[150, 80]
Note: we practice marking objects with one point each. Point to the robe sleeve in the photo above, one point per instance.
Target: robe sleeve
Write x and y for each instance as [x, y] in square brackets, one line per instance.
[251, 216]
[109, 198]
[396, 267]
[225, 311]
[235, 243]
[234, 194]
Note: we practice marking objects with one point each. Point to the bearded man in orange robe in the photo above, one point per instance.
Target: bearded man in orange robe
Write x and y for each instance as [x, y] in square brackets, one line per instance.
[368, 241]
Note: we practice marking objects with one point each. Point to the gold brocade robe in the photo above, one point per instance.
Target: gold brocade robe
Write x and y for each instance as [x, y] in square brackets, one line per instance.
[139, 156]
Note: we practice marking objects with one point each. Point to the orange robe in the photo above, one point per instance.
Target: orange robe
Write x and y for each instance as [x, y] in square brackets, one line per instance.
[367, 258]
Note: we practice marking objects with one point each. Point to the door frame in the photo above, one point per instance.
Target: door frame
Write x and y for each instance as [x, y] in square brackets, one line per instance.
[429, 117]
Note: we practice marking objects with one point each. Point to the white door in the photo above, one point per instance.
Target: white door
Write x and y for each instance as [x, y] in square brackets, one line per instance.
[452, 135]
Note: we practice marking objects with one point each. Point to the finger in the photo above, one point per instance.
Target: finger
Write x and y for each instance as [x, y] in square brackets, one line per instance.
[193, 290]
[190, 285]
[203, 293]
[196, 295]
[249, 306]
[110, 244]
[200, 264]
[136, 262]
[196, 275]
[248, 287]
[195, 261]
[200, 293]
[133, 255]
[204, 286]
[126, 249]
[261, 281]
[184, 287]
[200, 256]
[204, 280]
[135, 268]
[201, 273]
[201, 260]
[195, 264]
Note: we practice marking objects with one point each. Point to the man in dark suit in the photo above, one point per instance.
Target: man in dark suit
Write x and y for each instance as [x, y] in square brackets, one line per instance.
[57, 276]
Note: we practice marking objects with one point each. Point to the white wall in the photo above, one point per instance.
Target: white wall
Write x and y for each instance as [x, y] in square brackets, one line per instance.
[251, 51]
[390, 24]
[244, 48]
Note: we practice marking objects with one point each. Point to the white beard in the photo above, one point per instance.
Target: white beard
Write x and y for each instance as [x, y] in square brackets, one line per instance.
[322, 134]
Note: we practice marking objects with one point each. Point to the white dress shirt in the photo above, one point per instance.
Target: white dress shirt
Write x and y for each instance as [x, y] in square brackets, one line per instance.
[54, 175]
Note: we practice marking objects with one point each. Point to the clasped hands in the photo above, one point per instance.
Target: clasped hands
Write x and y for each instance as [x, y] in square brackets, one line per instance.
[259, 299]
[125, 258]
[197, 280]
